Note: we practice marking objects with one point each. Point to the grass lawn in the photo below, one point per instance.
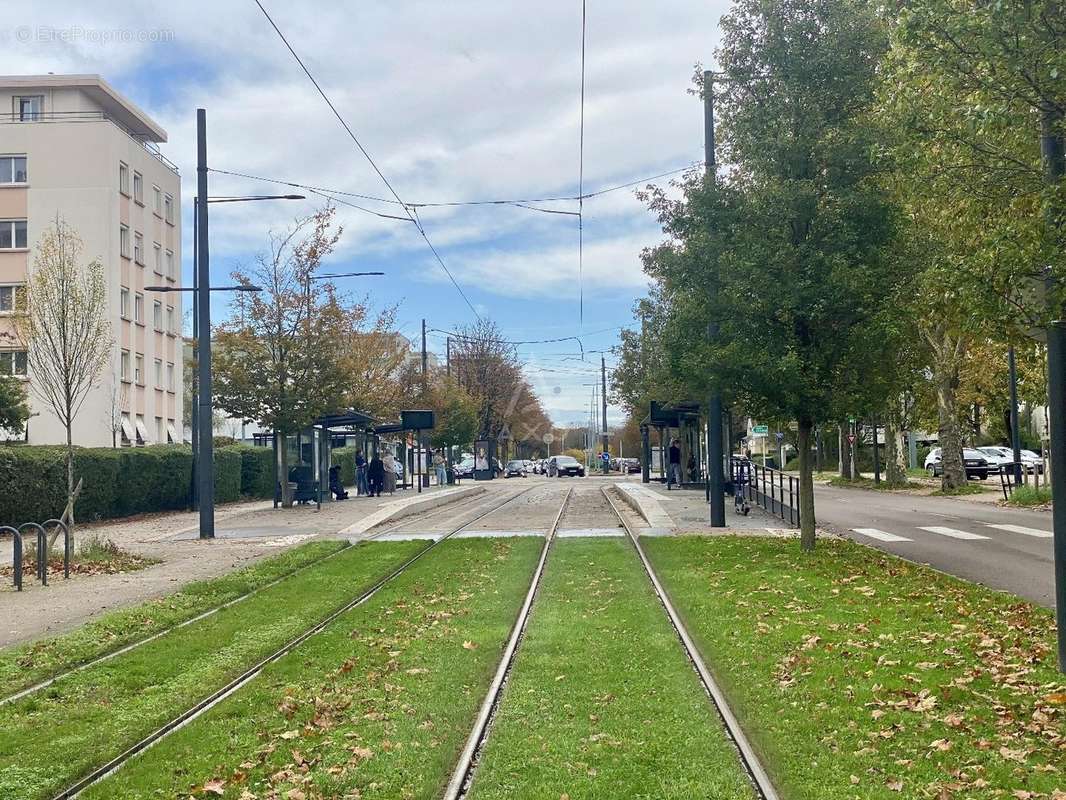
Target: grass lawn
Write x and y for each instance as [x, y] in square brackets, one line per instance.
[90, 716]
[602, 701]
[376, 706]
[27, 664]
[966, 488]
[859, 675]
[1029, 496]
[868, 483]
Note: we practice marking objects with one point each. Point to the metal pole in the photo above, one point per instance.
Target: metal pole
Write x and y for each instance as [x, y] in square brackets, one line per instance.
[448, 356]
[425, 360]
[716, 481]
[1054, 158]
[1015, 433]
[877, 457]
[603, 383]
[194, 492]
[203, 302]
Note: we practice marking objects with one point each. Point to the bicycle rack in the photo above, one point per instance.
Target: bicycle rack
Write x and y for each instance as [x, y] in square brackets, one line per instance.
[42, 551]
[56, 523]
[17, 556]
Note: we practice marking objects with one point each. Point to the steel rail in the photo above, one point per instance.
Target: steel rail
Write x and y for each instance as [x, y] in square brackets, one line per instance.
[214, 610]
[749, 758]
[250, 674]
[462, 775]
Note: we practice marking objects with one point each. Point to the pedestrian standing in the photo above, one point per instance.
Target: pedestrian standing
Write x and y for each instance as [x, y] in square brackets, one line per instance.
[389, 463]
[673, 473]
[438, 465]
[375, 474]
[360, 474]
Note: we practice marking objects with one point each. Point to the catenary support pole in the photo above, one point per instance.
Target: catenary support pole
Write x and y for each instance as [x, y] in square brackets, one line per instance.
[716, 481]
[1015, 433]
[877, 457]
[194, 422]
[203, 306]
[603, 400]
[1051, 148]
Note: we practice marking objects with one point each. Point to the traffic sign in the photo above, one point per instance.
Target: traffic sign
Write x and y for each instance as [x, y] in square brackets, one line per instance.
[760, 430]
[851, 438]
[780, 436]
[605, 456]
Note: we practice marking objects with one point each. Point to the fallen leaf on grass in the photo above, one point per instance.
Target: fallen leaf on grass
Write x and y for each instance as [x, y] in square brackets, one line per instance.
[296, 794]
[290, 734]
[469, 645]
[215, 787]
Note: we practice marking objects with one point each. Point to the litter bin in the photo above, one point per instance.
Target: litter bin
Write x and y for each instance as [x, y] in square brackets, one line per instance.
[450, 475]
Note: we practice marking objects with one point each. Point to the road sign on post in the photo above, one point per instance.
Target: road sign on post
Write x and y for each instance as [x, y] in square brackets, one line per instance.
[851, 438]
[760, 430]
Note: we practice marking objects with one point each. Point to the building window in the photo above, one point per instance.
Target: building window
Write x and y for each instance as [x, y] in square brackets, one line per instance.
[124, 303]
[160, 431]
[168, 209]
[142, 432]
[157, 201]
[13, 362]
[123, 179]
[12, 298]
[124, 240]
[170, 265]
[12, 169]
[158, 369]
[124, 366]
[138, 188]
[172, 435]
[170, 377]
[13, 234]
[28, 107]
[126, 429]
[157, 259]
[138, 308]
[170, 321]
[157, 316]
[138, 249]
[138, 369]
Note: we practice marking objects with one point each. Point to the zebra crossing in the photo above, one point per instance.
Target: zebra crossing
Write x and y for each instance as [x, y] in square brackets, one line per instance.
[954, 533]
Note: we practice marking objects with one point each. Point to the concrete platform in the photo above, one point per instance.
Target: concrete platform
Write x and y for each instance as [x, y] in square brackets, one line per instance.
[584, 533]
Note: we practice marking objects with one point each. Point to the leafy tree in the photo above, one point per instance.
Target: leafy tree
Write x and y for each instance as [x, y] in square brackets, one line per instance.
[457, 415]
[66, 329]
[278, 361]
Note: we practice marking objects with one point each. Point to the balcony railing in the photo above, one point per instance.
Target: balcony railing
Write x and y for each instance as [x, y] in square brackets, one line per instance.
[45, 117]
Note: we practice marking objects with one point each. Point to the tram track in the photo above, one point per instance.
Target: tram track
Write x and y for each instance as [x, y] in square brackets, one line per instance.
[475, 501]
[462, 775]
[234, 685]
[760, 779]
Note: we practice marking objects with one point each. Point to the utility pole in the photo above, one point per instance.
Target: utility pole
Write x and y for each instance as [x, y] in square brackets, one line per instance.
[448, 356]
[206, 454]
[1051, 149]
[425, 360]
[1015, 434]
[877, 458]
[716, 481]
[603, 392]
[194, 417]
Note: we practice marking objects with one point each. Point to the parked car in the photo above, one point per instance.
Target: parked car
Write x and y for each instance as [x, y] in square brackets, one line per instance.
[632, 465]
[1031, 462]
[565, 465]
[465, 468]
[998, 460]
[515, 469]
[974, 461]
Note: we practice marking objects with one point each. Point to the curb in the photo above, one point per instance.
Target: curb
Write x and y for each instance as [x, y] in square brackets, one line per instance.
[646, 503]
[408, 506]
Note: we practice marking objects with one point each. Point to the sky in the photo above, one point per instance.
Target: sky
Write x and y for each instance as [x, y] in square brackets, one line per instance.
[455, 101]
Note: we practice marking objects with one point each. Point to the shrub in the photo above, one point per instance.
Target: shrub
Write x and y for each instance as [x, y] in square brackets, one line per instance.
[344, 457]
[257, 471]
[227, 474]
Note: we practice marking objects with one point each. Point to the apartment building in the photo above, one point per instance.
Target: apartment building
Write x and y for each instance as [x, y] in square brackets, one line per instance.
[72, 146]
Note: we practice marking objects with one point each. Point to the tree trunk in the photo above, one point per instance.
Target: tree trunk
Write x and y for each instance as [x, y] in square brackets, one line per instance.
[283, 472]
[806, 487]
[894, 475]
[953, 474]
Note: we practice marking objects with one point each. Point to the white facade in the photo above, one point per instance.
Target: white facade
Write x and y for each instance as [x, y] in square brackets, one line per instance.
[90, 158]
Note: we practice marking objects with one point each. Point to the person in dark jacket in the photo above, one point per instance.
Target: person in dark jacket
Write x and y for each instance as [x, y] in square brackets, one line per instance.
[673, 473]
[375, 474]
[360, 474]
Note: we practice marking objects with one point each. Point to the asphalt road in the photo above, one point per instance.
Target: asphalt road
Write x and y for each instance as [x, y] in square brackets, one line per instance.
[1001, 548]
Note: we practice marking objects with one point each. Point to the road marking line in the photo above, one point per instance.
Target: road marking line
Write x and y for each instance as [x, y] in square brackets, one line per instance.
[954, 534]
[881, 536]
[1022, 529]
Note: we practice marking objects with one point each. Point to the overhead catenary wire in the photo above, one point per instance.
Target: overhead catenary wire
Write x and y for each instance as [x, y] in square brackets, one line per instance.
[368, 157]
[519, 202]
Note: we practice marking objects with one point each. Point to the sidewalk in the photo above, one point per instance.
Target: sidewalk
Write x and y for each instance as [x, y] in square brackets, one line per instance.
[688, 512]
[245, 533]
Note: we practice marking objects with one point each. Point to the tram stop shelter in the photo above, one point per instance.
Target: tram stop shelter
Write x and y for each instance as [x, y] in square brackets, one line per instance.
[680, 421]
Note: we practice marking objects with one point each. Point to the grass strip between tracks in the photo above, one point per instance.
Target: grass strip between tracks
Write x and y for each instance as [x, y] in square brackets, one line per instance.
[602, 701]
[53, 737]
[27, 664]
[859, 675]
[378, 705]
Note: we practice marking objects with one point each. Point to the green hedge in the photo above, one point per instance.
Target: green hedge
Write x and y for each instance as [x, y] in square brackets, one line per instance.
[122, 482]
[344, 457]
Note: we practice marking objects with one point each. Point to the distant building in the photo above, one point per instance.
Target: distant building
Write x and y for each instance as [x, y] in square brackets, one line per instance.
[74, 147]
